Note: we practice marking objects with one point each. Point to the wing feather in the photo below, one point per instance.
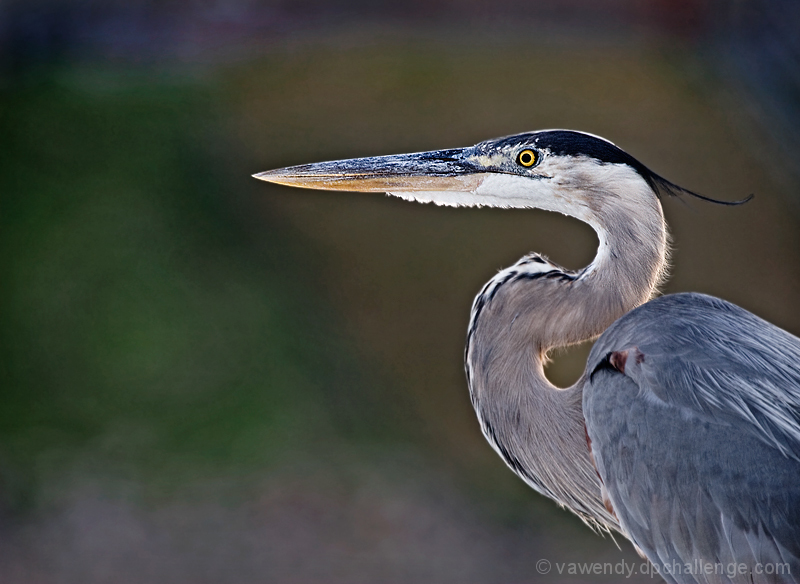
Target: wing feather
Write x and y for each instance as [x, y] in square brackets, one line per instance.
[698, 441]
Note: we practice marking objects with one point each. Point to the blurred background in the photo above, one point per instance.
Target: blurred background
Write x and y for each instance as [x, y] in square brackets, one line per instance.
[205, 378]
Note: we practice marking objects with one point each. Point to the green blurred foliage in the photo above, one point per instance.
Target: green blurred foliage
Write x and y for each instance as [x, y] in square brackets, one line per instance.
[140, 327]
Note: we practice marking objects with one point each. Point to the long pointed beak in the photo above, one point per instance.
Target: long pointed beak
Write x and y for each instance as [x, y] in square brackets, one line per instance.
[438, 170]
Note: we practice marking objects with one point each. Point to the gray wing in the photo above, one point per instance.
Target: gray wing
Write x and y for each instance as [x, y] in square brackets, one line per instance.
[698, 441]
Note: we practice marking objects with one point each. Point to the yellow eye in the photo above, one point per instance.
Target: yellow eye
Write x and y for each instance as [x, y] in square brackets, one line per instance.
[527, 158]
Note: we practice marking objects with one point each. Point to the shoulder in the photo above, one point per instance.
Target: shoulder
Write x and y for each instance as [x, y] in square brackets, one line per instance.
[699, 320]
[705, 358]
[684, 303]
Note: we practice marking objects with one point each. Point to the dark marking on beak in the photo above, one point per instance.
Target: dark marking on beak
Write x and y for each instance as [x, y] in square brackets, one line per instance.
[431, 171]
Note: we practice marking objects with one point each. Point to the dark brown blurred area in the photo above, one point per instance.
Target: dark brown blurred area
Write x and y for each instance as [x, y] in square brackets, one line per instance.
[752, 45]
[204, 378]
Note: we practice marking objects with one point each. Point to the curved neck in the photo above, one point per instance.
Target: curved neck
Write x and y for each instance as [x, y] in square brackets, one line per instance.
[535, 306]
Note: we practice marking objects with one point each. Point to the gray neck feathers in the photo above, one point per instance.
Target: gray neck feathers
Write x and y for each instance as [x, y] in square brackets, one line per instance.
[535, 306]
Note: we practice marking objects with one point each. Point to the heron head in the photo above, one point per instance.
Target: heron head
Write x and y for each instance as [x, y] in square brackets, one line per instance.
[558, 170]
[551, 169]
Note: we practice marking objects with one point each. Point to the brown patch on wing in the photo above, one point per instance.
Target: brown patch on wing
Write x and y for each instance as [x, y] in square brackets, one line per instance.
[591, 454]
[607, 502]
[603, 491]
[618, 360]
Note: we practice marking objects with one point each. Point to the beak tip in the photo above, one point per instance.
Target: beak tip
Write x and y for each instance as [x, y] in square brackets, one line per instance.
[267, 175]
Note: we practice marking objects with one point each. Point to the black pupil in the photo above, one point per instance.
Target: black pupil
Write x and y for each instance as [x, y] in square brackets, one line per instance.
[526, 158]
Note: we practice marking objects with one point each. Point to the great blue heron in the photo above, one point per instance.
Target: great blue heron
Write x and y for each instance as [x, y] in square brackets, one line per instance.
[683, 433]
